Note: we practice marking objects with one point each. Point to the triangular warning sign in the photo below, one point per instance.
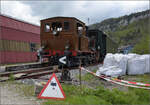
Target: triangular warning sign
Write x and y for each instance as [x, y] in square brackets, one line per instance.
[52, 89]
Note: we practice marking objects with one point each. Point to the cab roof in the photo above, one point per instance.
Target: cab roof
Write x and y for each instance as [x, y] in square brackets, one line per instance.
[61, 17]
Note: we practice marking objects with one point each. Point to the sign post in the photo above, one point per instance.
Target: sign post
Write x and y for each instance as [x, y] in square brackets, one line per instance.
[80, 73]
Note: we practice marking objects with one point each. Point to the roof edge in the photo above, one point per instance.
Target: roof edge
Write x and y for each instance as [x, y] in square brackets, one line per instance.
[8, 16]
[63, 17]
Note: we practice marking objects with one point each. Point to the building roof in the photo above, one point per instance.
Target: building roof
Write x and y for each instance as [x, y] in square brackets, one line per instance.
[124, 47]
[13, 23]
[11, 17]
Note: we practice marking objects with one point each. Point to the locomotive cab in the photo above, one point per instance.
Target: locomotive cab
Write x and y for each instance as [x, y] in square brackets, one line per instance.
[58, 32]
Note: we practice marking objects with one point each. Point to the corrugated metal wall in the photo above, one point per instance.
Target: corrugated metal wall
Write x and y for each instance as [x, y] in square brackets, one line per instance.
[12, 45]
[17, 57]
[16, 51]
[15, 41]
[19, 35]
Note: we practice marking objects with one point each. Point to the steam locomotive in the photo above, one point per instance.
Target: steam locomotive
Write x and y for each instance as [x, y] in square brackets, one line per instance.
[67, 41]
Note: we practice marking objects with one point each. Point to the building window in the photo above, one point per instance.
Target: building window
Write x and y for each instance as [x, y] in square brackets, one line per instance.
[66, 25]
[47, 27]
[32, 47]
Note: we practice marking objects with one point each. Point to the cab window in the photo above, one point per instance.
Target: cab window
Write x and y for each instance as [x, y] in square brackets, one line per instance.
[47, 27]
[56, 26]
[66, 26]
[79, 29]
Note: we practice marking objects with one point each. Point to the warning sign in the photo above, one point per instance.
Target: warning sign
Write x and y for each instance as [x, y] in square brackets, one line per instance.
[52, 89]
[62, 60]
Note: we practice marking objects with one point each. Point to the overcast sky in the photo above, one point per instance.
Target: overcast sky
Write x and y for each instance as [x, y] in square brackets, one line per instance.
[96, 11]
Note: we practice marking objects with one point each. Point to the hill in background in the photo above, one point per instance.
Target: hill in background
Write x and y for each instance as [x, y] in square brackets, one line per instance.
[133, 29]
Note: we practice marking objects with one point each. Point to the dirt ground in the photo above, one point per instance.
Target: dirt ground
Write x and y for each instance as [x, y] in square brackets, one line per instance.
[10, 96]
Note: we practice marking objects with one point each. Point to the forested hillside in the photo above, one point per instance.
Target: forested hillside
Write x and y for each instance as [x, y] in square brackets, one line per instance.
[133, 29]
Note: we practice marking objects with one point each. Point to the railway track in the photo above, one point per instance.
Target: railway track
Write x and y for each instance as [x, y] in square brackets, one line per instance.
[26, 66]
[32, 73]
[29, 73]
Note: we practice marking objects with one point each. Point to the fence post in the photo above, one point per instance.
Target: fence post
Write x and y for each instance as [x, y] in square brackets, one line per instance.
[80, 73]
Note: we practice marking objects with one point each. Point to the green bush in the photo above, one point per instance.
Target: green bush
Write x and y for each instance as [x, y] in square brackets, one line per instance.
[11, 77]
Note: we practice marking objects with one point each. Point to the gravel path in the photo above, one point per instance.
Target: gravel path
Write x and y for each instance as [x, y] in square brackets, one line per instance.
[9, 96]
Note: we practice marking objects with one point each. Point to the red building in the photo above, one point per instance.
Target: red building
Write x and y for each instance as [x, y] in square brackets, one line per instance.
[18, 40]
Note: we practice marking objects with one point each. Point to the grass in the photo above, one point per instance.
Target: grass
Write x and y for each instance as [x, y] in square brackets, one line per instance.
[76, 95]
[87, 77]
[11, 77]
[145, 78]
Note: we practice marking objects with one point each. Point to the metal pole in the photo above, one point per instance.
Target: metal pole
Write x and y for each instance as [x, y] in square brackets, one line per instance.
[88, 20]
[80, 73]
[62, 70]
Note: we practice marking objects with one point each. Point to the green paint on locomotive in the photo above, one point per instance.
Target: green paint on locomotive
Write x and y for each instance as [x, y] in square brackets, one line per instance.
[103, 43]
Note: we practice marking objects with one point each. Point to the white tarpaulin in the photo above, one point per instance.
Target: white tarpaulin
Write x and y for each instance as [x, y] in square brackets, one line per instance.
[122, 64]
[118, 60]
[147, 69]
[112, 71]
[139, 65]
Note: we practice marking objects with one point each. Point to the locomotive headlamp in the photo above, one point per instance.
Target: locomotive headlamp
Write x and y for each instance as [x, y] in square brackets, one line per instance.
[67, 47]
[54, 32]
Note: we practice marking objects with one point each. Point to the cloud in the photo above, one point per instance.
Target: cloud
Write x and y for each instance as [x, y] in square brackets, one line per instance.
[19, 10]
[95, 10]
[129, 7]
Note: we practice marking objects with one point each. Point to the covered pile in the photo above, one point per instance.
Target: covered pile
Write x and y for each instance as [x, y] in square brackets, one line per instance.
[119, 64]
